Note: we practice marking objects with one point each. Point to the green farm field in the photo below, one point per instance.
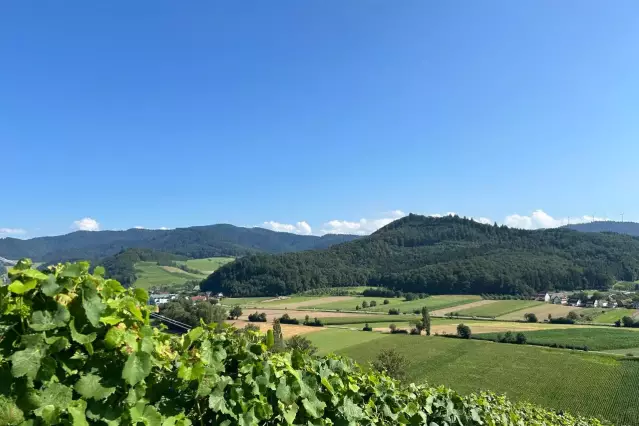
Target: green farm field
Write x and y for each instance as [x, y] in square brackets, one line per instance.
[596, 338]
[243, 301]
[208, 265]
[612, 315]
[151, 274]
[432, 302]
[579, 382]
[498, 308]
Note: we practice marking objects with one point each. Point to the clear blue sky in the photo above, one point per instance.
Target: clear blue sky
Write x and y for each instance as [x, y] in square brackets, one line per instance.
[165, 113]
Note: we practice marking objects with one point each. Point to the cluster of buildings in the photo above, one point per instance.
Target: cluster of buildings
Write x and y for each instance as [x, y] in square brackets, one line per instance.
[566, 300]
[162, 298]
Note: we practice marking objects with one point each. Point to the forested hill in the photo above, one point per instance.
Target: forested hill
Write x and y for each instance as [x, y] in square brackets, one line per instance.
[442, 255]
[629, 228]
[195, 242]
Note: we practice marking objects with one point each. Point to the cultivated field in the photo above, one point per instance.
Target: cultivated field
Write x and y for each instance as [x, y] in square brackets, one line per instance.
[541, 311]
[580, 382]
[288, 330]
[208, 265]
[612, 315]
[497, 308]
[150, 274]
[271, 314]
[595, 338]
[432, 302]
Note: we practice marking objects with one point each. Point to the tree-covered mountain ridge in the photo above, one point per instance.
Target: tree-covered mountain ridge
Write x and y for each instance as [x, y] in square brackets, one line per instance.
[629, 228]
[442, 255]
[193, 242]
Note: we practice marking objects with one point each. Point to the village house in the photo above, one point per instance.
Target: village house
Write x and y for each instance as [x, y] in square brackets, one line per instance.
[542, 297]
[558, 299]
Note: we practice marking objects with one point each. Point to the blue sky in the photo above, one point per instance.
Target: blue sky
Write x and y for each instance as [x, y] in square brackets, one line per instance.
[170, 114]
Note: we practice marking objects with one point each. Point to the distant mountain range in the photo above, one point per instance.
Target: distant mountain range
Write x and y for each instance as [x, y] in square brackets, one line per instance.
[442, 256]
[194, 242]
[629, 228]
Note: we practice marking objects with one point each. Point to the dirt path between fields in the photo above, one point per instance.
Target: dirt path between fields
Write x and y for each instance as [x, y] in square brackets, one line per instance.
[271, 314]
[441, 312]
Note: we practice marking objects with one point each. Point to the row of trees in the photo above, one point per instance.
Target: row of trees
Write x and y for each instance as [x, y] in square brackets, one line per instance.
[447, 255]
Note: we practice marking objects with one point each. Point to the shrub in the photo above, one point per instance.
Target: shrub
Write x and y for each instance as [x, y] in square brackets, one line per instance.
[415, 331]
[627, 321]
[357, 308]
[286, 319]
[367, 327]
[379, 292]
[372, 304]
[251, 327]
[316, 322]
[386, 301]
[391, 362]
[257, 317]
[301, 344]
[464, 331]
[236, 312]
[573, 315]
[561, 320]
[530, 317]
[364, 304]
[392, 327]
[393, 311]
[520, 339]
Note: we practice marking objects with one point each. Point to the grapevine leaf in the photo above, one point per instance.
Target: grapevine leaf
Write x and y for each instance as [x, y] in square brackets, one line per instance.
[141, 294]
[136, 393]
[78, 337]
[58, 395]
[10, 414]
[114, 338]
[47, 369]
[137, 367]
[217, 403]
[99, 271]
[351, 411]
[77, 409]
[111, 319]
[57, 344]
[146, 414]
[314, 407]
[26, 362]
[43, 320]
[283, 392]
[248, 418]
[89, 387]
[34, 274]
[49, 414]
[290, 413]
[93, 306]
[73, 270]
[50, 287]
[18, 287]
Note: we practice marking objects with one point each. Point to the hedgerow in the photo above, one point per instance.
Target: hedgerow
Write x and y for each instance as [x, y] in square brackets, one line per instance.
[79, 349]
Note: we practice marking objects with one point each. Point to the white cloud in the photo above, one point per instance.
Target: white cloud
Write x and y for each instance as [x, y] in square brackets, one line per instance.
[86, 224]
[301, 228]
[362, 227]
[12, 231]
[163, 228]
[138, 227]
[540, 219]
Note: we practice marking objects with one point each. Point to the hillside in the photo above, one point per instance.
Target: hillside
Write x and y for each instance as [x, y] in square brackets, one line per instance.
[193, 242]
[628, 228]
[442, 256]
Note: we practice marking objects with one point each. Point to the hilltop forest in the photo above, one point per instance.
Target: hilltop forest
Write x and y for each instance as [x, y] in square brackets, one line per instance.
[193, 242]
[442, 256]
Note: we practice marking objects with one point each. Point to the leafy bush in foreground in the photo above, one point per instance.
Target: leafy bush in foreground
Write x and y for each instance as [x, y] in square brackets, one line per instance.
[78, 349]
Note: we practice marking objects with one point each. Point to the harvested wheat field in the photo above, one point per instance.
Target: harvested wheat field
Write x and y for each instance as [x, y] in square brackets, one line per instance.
[541, 311]
[442, 312]
[288, 330]
[478, 326]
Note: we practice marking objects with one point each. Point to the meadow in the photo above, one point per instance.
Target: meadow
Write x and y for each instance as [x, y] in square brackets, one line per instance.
[208, 265]
[612, 315]
[542, 311]
[498, 308]
[580, 382]
[150, 274]
[595, 338]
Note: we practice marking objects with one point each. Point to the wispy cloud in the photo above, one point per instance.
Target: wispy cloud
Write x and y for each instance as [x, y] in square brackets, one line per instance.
[540, 219]
[86, 224]
[12, 231]
[301, 228]
[363, 226]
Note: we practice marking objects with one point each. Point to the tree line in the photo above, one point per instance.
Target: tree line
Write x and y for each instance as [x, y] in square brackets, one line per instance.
[449, 255]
